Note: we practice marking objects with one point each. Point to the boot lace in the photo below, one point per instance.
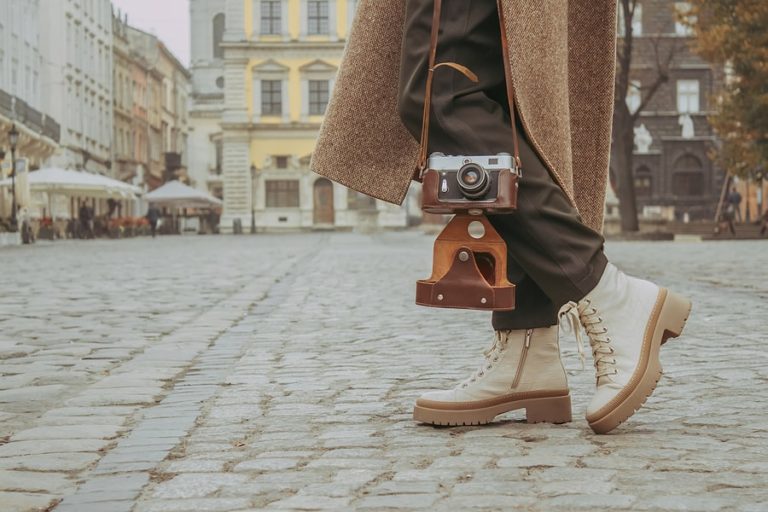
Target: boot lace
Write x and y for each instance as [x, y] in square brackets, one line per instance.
[584, 313]
[491, 355]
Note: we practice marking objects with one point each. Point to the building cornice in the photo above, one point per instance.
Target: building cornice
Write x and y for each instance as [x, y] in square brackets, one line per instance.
[293, 44]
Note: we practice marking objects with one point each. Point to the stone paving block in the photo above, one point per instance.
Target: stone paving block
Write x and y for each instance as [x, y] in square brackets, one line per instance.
[267, 464]
[302, 502]
[24, 502]
[69, 432]
[196, 466]
[196, 485]
[30, 481]
[398, 501]
[73, 461]
[488, 502]
[116, 505]
[686, 503]
[193, 505]
[591, 502]
[30, 393]
[21, 448]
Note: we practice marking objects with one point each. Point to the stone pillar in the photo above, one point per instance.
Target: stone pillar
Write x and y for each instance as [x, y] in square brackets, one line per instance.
[235, 103]
[237, 180]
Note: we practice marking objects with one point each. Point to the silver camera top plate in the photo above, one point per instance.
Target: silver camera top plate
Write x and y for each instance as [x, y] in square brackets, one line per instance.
[441, 162]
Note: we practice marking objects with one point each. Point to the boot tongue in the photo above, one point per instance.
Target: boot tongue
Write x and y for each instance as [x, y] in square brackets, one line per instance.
[610, 283]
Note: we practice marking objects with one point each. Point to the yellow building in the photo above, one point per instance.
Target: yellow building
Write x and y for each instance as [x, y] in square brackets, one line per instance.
[277, 61]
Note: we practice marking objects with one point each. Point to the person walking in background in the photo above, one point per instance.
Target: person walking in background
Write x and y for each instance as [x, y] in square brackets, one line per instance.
[726, 219]
[734, 199]
[153, 216]
[84, 216]
[764, 221]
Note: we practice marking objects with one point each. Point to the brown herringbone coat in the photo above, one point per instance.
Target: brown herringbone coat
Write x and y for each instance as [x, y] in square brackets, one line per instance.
[562, 55]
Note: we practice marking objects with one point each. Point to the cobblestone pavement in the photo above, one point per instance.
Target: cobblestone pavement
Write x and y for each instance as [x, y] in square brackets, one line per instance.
[279, 372]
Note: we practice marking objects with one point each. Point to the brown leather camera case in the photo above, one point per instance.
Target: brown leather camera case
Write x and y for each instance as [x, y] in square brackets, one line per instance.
[468, 272]
[505, 201]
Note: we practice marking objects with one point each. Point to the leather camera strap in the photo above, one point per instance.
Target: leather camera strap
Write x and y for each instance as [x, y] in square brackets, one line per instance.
[438, 4]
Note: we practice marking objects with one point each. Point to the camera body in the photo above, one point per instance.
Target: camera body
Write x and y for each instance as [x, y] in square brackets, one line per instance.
[474, 184]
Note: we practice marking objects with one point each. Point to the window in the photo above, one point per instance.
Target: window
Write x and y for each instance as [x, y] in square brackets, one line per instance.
[218, 36]
[317, 17]
[282, 193]
[271, 17]
[219, 150]
[683, 19]
[281, 162]
[271, 97]
[688, 96]
[318, 97]
[643, 182]
[637, 20]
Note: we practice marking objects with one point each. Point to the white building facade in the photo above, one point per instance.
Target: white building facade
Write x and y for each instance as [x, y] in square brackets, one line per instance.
[21, 68]
[76, 40]
[206, 103]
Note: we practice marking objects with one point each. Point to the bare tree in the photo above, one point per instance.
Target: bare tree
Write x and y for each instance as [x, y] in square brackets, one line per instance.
[624, 119]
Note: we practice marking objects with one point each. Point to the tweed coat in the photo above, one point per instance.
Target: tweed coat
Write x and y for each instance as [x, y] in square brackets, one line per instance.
[562, 56]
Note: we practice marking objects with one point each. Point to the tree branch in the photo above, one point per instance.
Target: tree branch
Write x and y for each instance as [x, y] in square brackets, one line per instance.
[662, 76]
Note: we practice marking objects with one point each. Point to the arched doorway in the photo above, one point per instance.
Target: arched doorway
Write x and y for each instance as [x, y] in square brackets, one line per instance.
[688, 177]
[323, 202]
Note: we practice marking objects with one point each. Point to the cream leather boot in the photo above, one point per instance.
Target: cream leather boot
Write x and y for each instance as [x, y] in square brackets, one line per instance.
[627, 320]
[521, 370]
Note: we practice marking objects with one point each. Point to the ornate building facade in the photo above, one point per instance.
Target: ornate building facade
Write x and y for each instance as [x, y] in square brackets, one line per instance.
[76, 40]
[263, 72]
[151, 89]
[674, 176]
[21, 99]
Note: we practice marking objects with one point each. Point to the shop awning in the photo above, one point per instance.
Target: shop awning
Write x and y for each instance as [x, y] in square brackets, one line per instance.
[77, 183]
[178, 195]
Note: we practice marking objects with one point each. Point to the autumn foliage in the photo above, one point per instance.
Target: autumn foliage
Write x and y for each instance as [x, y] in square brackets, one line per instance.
[735, 34]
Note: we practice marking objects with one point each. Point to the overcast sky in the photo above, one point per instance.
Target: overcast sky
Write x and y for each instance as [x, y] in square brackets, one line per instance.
[167, 19]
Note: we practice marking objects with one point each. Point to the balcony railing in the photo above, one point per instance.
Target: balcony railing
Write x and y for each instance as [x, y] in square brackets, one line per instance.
[19, 111]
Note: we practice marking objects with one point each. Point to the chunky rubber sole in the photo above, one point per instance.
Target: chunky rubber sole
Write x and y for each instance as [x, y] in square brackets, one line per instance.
[667, 321]
[545, 409]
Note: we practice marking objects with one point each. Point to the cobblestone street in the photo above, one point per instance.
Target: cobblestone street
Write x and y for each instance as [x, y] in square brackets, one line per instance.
[278, 372]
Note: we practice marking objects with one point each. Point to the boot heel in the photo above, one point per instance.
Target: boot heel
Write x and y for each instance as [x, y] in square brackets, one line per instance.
[548, 410]
[674, 315]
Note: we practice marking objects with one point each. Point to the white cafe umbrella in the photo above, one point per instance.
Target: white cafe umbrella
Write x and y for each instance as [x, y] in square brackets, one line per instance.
[178, 195]
[68, 182]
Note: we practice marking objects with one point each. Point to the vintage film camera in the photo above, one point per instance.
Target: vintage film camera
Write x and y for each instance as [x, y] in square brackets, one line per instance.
[469, 269]
[469, 266]
[460, 184]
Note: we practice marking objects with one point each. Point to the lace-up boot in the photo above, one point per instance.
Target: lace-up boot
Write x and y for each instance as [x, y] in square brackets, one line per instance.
[521, 370]
[627, 320]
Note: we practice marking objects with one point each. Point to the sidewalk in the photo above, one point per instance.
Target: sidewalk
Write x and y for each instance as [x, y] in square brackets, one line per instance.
[282, 378]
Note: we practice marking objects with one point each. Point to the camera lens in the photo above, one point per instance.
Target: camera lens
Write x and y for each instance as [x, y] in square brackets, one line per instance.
[474, 181]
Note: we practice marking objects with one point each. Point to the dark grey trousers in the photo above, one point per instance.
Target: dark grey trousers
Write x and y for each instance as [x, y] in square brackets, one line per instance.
[553, 256]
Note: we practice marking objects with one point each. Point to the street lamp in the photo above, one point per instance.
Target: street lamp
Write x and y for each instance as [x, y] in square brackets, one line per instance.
[13, 138]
